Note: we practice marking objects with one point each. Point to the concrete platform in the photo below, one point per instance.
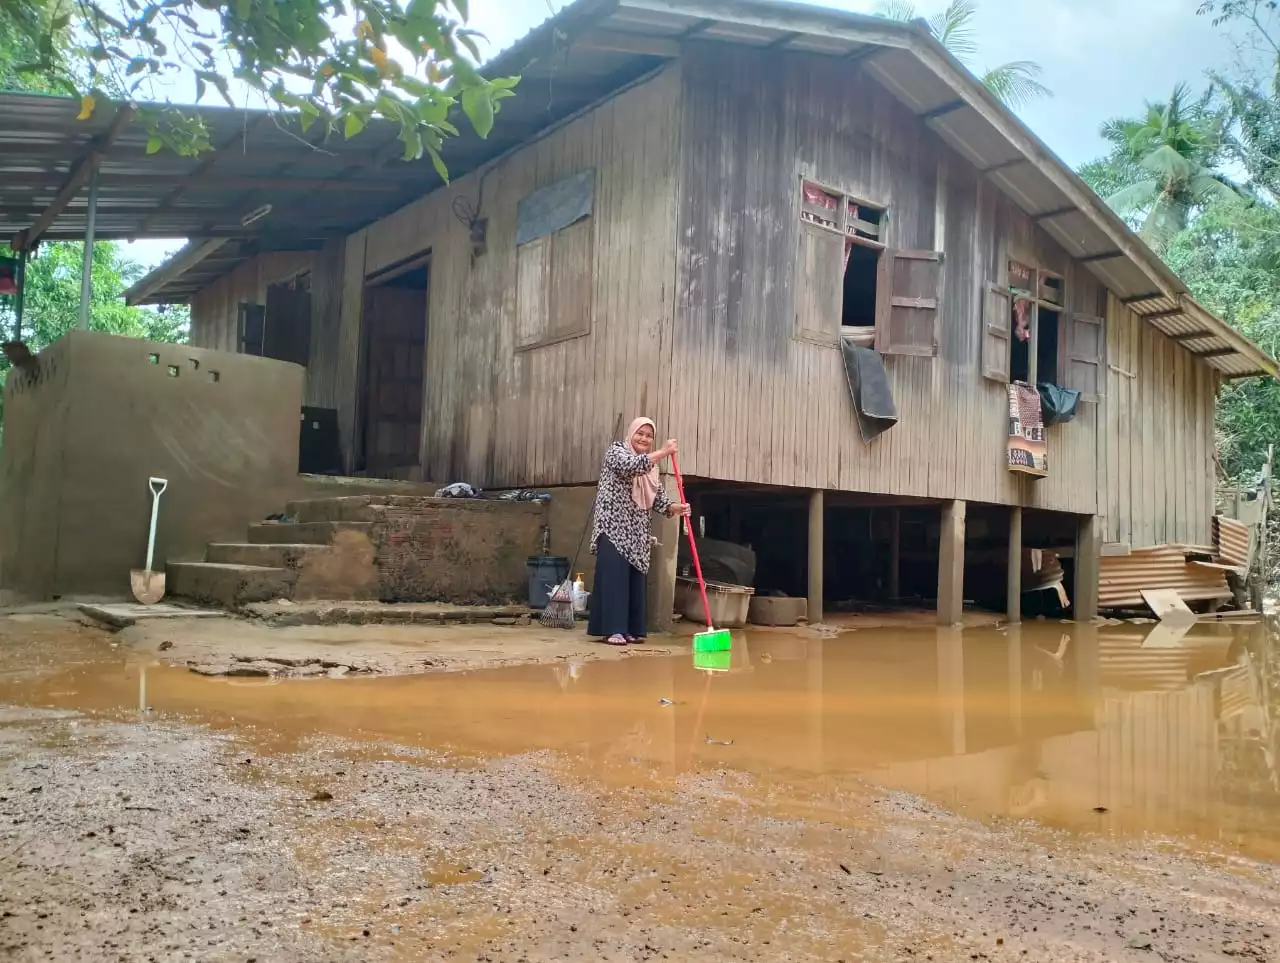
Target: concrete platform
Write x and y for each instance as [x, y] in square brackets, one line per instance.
[386, 613]
[229, 585]
[121, 615]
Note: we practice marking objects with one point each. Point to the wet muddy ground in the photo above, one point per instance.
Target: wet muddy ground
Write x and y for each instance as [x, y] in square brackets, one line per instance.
[1049, 793]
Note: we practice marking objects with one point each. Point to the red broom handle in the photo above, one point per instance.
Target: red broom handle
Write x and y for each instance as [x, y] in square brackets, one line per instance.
[693, 545]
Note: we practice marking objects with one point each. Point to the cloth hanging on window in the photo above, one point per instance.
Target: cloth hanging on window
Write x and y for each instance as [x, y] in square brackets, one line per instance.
[1026, 450]
[870, 390]
[1058, 405]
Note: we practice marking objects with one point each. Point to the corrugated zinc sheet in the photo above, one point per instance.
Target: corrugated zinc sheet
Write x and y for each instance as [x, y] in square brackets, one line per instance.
[1234, 541]
[1124, 577]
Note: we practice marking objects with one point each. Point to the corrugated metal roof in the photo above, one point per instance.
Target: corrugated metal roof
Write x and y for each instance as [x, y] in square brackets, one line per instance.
[592, 48]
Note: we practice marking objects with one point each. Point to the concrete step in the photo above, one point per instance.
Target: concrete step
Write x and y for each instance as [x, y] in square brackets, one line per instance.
[350, 508]
[300, 533]
[228, 585]
[279, 555]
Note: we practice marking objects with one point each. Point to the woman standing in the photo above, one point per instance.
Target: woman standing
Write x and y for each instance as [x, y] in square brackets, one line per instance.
[630, 490]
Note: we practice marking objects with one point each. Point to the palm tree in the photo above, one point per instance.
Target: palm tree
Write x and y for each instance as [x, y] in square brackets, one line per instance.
[1016, 83]
[1170, 155]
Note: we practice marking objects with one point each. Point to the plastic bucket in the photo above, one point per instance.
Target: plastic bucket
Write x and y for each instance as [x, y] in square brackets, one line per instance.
[545, 573]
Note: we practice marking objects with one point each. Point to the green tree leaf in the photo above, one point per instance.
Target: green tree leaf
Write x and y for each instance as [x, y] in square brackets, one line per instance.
[478, 106]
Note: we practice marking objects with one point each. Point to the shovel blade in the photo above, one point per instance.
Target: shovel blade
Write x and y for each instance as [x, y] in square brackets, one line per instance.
[148, 586]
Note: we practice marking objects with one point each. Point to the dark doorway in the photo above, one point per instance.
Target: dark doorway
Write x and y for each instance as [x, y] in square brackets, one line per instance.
[394, 345]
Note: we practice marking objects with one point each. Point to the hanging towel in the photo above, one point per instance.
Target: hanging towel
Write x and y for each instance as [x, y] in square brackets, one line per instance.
[870, 390]
[1026, 450]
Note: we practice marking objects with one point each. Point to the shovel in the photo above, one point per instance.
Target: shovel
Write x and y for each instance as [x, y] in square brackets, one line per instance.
[148, 586]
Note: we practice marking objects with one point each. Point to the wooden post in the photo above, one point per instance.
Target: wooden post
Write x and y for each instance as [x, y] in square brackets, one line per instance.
[1015, 565]
[895, 553]
[951, 564]
[1088, 568]
[816, 506]
[86, 277]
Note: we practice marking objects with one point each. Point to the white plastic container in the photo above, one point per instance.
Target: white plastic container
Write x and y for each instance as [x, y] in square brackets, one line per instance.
[580, 594]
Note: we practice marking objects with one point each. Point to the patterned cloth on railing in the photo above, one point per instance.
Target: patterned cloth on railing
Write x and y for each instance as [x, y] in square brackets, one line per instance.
[1026, 449]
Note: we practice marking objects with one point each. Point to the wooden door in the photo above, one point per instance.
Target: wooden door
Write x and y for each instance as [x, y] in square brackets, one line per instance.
[395, 325]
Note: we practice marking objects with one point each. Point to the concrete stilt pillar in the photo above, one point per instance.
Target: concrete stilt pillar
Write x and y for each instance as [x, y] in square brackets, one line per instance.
[1088, 568]
[816, 510]
[1015, 564]
[951, 564]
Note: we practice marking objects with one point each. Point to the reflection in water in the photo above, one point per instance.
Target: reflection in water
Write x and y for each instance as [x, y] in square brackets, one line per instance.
[1114, 728]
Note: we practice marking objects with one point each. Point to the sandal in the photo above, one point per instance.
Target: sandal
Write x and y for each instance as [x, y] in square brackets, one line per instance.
[632, 640]
[614, 640]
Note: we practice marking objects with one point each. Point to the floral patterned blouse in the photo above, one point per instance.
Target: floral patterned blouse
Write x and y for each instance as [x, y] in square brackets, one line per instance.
[618, 517]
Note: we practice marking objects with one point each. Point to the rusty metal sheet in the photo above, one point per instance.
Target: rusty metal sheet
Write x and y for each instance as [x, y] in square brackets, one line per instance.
[1234, 542]
[1123, 577]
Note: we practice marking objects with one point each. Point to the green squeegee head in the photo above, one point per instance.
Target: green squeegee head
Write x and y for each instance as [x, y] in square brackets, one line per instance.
[712, 640]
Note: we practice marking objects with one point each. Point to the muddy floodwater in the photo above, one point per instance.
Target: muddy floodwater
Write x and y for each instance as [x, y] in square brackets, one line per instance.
[1044, 792]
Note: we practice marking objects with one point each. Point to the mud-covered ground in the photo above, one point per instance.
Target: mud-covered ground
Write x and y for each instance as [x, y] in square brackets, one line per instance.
[158, 841]
[129, 834]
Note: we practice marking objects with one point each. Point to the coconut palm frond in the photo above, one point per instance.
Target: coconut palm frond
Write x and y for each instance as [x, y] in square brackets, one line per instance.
[903, 10]
[1215, 188]
[953, 27]
[1165, 162]
[1135, 197]
[1166, 218]
[1016, 83]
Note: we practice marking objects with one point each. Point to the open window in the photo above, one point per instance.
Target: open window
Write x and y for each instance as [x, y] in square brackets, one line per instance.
[1029, 336]
[849, 284]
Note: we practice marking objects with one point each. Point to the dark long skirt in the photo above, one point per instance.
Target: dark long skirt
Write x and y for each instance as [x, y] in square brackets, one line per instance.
[618, 595]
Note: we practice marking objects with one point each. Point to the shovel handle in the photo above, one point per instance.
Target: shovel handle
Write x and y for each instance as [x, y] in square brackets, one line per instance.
[157, 486]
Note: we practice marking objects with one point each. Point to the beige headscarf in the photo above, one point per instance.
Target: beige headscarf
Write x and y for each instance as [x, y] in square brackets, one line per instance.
[644, 488]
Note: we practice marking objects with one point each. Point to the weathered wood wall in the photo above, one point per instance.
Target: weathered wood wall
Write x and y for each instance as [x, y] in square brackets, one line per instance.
[1156, 456]
[215, 310]
[752, 403]
[693, 310]
[497, 416]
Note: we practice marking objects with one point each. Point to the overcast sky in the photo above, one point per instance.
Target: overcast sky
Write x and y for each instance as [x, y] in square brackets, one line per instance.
[1101, 58]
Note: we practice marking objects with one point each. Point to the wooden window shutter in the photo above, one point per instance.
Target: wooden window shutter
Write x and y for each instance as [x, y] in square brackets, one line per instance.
[1086, 353]
[819, 284]
[532, 303]
[997, 318]
[570, 278]
[907, 295]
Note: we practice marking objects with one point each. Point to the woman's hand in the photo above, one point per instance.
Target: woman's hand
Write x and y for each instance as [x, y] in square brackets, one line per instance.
[678, 510]
[665, 452]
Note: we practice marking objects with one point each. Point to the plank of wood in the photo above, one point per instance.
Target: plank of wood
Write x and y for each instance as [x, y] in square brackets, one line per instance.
[1168, 606]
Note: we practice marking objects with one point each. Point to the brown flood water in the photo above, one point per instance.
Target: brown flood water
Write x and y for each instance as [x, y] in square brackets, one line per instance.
[1112, 729]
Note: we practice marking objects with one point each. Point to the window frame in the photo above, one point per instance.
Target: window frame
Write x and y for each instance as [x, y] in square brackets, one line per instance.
[831, 336]
[1032, 295]
[547, 295]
